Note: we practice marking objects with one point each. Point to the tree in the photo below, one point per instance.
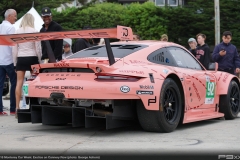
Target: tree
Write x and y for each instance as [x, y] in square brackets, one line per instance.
[229, 18]
[146, 19]
[22, 6]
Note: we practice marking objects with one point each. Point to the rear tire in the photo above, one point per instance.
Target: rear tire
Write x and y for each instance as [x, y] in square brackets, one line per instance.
[169, 114]
[230, 104]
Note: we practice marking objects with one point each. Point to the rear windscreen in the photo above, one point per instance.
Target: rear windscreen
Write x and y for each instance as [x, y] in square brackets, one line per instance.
[119, 51]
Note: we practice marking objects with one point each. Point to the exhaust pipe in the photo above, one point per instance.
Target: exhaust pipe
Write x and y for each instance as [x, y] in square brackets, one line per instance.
[61, 102]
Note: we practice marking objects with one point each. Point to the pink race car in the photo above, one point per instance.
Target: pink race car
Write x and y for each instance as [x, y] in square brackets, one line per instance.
[160, 84]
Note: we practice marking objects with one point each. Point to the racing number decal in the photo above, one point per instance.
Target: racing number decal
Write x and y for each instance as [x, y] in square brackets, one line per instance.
[125, 32]
[25, 89]
[210, 91]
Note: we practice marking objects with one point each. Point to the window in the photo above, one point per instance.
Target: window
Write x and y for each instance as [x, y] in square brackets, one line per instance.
[183, 58]
[161, 56]
[172, 2]
[160, 2]
[119, 51]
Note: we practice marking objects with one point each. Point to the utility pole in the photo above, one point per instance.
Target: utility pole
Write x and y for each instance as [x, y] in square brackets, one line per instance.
[217, 21]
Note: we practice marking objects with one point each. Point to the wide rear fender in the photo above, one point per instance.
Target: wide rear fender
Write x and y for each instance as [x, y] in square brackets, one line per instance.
[223, 81]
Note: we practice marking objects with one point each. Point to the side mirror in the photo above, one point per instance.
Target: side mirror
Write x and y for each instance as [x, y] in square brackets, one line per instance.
[213, 67]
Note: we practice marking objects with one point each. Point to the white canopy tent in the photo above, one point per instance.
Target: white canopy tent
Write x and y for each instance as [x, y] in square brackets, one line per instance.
[37, 23]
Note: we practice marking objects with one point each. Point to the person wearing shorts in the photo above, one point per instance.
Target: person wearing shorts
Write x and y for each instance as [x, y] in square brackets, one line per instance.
[25, 54]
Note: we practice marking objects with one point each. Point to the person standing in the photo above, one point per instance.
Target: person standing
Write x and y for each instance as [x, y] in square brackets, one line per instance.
[67, 50]
[50, 26]
[164, 37]
[203, 51]
[193, 46]
[25, 54]
[82, 43]
[136, 37]
[226, 55]
[6, 61]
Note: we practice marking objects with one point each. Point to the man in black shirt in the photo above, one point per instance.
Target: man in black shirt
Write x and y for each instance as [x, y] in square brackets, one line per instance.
[82, 43]
[203, 51]
[50, 26]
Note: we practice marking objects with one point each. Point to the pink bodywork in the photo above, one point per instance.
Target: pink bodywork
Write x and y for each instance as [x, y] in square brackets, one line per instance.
[80, 85]
[87, 87]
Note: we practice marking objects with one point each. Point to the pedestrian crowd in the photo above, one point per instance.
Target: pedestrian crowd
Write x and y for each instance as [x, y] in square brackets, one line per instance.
[18, 59]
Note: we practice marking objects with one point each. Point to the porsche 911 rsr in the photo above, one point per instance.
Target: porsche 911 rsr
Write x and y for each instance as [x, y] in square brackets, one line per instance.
[159, 84]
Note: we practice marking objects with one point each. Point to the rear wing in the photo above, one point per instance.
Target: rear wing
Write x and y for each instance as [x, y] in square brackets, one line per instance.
[121, 32]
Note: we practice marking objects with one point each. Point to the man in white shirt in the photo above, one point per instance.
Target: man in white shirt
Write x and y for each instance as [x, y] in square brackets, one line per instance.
[6, 61]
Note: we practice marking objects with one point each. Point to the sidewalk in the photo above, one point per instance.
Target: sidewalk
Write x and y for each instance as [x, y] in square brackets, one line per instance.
[6, 104]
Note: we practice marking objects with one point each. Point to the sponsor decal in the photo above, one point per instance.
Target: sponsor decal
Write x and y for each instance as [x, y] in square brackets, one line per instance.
[179, 63]
[63, 74]
[56, 90]
[165, 71]
[152, 100]
[61, 64]
[167, 60]
[145, 92]
[25, 89]
[196, 90]
[125, 32]
[60, 87]
[138, 62]
[73, 34]
[131, 71]
[146, 87]
[60, 78]
[124, 89]
[210, 91]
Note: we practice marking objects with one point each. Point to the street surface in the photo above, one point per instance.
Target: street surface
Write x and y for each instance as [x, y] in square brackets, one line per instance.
[211, 136]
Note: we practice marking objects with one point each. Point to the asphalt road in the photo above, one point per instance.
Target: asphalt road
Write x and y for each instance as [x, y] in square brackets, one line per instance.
[210, 136]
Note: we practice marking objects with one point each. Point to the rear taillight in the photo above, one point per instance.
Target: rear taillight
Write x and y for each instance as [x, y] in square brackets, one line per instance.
[115, 77]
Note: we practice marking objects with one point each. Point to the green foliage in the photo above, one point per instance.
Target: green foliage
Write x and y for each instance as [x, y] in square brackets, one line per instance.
[66, 18]
[230, 18]
[203, 12]
[102, 15]
[22, 6]
[146, 19]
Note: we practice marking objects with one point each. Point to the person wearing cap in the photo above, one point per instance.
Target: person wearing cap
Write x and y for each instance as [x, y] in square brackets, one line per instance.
[164, 37]
[51, 26]
[226, 55]
[203, 51]
[67, 50]
[193, 45]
